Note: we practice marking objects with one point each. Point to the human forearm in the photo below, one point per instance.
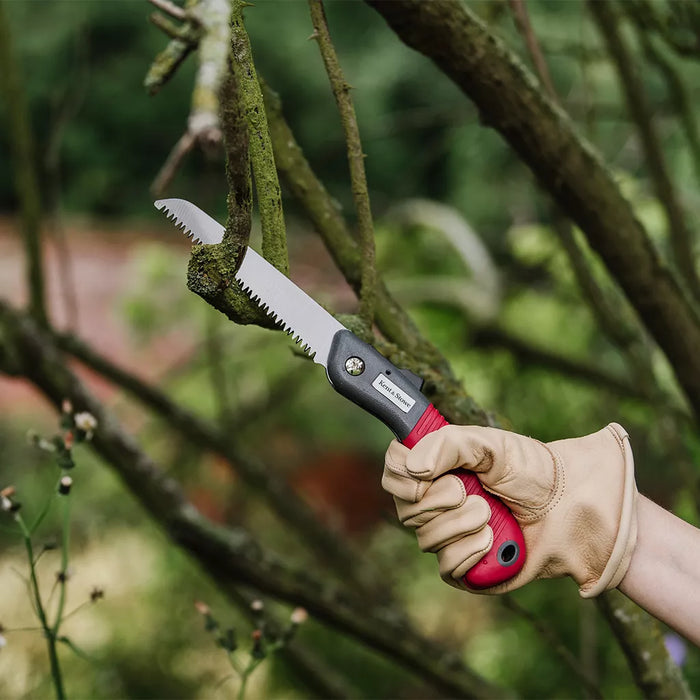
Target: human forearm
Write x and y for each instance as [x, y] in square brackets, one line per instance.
[664, 574]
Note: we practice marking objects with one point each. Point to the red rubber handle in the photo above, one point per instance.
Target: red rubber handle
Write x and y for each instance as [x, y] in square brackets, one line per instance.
[507, 555]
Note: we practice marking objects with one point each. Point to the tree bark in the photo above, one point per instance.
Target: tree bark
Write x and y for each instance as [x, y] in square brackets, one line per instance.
[231, 556]
[566, 166]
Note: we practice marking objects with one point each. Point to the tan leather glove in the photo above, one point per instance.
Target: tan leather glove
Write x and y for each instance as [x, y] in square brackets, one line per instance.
[575, 501]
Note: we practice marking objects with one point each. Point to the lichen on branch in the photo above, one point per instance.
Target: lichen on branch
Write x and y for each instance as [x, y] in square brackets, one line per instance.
[358, 178]
[267, 186]
[166, 63]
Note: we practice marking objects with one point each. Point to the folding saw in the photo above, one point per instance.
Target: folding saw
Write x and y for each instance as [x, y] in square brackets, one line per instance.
[360, 373]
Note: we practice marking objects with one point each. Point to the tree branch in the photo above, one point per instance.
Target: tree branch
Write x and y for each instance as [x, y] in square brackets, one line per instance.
[230, 556]
[212, 40]
[555, 644]
[280, 496]
[642, 642]
[267, 187]
[677, 90]
[22, 149]
[524, 351]
[407, 347]
[358, 178]
[679, 26]
[522, 21]
[236, 147]
[170, 8]
[566, 166]
[168, 170]
[682, 243]
[166, 63]
[211, 268]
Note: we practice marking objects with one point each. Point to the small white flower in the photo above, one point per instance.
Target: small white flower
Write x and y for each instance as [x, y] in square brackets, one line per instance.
[257, 605]
[5, 503]
[85, 421]
[299, 616]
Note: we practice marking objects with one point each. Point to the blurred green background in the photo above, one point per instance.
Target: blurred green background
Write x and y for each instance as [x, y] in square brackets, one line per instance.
[83, 65]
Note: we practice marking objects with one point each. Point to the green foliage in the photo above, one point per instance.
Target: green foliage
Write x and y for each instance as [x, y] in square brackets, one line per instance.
[422, 139]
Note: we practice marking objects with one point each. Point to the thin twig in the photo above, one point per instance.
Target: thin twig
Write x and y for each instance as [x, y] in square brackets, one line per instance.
[62, 577]
[186, 40]
[356, 157]
[522, 21]
[330, 548]
[165, 25]
[550, 636]
[170, 8]
[70, 103]
[677, 92]
[608, 307]
[539, 356]
[39, 608]
[165, 175]
[26, 181]
[230, 555]
[324, 213]
[682, 243]
[203, 120]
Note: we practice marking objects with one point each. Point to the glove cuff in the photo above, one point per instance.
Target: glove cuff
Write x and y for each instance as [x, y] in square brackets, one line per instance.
[626, 539]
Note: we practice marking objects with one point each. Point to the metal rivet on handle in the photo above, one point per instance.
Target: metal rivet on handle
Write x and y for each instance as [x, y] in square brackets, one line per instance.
[354, 366]
[508, 553]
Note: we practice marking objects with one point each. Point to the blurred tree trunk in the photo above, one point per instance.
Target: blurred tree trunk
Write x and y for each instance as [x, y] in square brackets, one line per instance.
[26, 185]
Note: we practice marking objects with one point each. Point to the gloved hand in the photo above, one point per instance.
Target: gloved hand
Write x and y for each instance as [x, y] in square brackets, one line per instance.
[575, 501]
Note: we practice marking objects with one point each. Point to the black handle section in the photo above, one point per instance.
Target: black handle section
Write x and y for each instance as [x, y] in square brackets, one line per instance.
[391, 394]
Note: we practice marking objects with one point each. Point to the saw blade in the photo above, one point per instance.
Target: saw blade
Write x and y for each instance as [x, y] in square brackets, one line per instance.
[196, 224]
[297, 313]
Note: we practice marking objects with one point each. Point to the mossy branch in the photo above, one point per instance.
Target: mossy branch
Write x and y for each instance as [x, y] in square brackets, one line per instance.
[405, 345]
[166, 63]
[236, 147]
[211, 269]
[267, 186]
[356, 158]
[565, 164]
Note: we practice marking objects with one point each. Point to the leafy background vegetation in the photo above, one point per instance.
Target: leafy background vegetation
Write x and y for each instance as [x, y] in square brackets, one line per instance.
[422, 140]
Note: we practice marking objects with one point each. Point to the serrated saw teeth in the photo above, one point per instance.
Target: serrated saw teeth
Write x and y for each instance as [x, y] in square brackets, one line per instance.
[292, 309]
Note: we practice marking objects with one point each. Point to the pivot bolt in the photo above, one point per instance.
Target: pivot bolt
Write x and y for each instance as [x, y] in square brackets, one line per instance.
[354, 366]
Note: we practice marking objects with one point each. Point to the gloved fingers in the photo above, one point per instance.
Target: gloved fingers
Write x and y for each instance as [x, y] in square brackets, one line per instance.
[453, 446]
[457, 558]
[396, 479]
[453, 525]
[444, 493]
